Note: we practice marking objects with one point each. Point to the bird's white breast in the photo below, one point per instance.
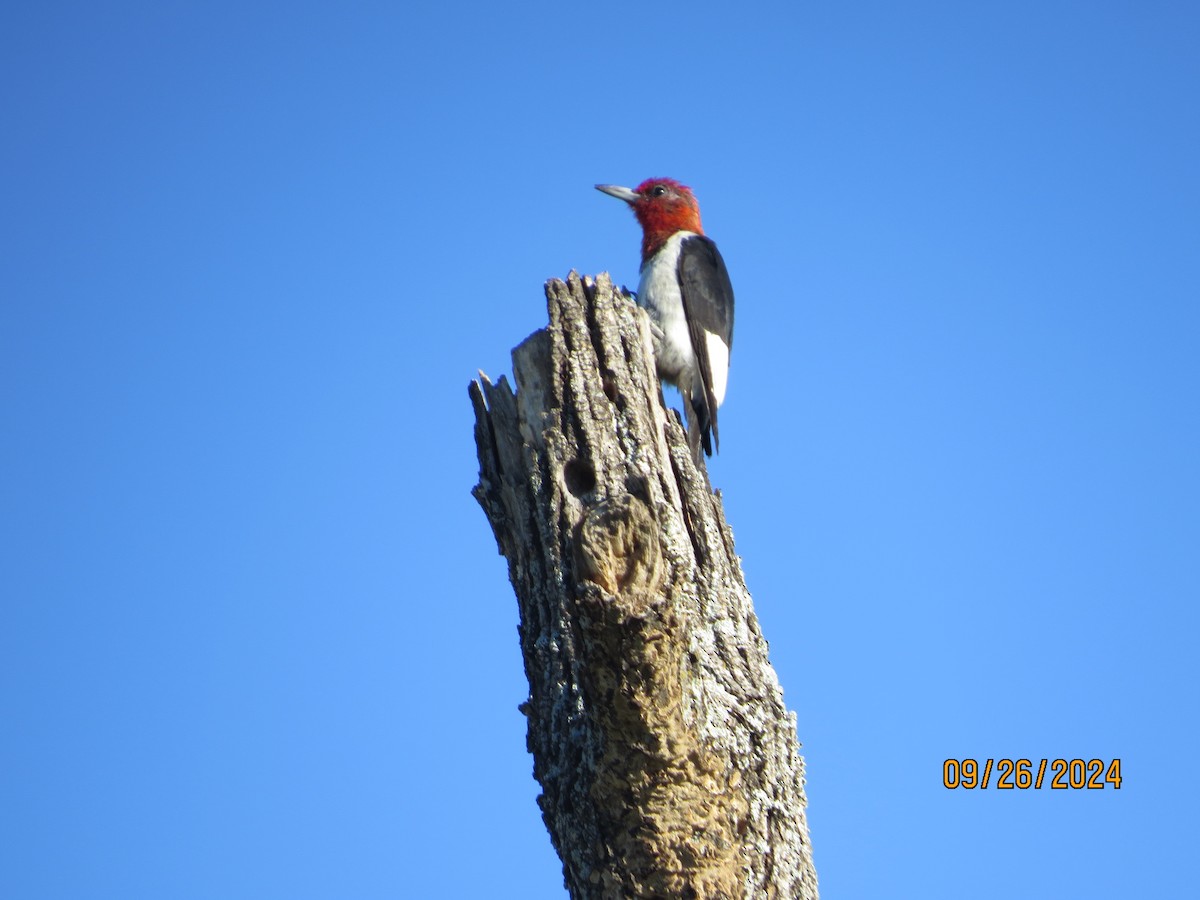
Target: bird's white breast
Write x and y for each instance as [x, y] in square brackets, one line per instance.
[658, 292]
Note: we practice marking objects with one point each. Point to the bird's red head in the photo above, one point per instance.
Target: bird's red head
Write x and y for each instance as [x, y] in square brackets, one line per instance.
[663, 206]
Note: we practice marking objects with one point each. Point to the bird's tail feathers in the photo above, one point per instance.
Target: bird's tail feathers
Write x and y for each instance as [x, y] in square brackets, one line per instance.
[702, 424]
[707, 428]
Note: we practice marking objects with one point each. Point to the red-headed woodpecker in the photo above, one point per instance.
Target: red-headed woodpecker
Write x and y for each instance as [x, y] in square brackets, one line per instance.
[686, 290]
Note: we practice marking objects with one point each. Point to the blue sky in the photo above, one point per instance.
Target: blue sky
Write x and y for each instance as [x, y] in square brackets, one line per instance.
[255, 639]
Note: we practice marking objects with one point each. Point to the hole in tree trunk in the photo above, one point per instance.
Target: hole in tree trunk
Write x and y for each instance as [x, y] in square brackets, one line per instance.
[580, 477]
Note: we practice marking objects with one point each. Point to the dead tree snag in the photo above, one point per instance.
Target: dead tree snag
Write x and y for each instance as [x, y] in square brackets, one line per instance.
[668, 762]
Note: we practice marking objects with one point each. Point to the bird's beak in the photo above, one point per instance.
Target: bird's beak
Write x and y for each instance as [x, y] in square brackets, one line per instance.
[621, 193]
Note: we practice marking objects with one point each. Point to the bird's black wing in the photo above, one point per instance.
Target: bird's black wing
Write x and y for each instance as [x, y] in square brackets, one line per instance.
[708, 305]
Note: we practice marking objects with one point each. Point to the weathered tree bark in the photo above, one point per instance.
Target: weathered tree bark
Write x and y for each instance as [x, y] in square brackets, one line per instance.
[668, 762]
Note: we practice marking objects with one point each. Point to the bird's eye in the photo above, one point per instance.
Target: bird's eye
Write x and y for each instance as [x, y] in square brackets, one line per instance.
[658, 191]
